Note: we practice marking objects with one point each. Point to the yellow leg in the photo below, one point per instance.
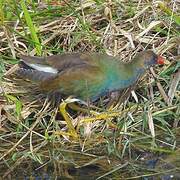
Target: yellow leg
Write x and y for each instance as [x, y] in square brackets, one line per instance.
[106, 116]
[62, 108]
[84, 110]
[97, 116]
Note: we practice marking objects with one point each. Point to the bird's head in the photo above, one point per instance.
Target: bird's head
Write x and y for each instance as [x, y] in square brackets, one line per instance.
[148, 58]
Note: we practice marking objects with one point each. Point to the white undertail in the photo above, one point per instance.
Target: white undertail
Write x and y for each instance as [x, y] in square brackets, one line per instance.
[43, 68]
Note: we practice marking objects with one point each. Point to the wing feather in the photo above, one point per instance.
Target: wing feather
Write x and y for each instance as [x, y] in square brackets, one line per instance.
[82, 81]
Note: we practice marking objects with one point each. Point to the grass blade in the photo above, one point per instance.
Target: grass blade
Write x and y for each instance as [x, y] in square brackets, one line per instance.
[32, 28]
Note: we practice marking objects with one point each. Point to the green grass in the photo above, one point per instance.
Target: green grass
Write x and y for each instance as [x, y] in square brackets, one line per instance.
[31, 130]
[32, 28]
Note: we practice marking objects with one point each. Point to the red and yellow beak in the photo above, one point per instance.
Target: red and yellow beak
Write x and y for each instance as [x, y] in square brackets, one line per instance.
[160, 60]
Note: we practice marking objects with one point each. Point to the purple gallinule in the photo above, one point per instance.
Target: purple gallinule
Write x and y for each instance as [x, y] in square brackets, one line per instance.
[86, 76]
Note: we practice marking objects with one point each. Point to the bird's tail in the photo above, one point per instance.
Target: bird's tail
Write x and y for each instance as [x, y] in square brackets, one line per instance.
[37, 63]
[34, 75]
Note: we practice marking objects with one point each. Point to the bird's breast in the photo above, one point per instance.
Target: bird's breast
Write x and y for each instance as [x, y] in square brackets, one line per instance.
[120, 81]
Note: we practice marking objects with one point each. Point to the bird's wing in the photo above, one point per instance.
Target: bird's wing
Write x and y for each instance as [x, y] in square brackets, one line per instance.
[63, 72]
[63, 61]
[82, 81]
[32, 59]
[57, 63]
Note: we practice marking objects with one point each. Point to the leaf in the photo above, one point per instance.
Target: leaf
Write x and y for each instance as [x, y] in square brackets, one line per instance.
[31, 27]
[1, 12]
[177, 66]
[18, 108]
[151, 124]
[169, 12]
[17, 102]
[173, 86]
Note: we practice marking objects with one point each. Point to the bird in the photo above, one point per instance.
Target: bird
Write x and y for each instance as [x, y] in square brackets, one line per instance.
[86, 75]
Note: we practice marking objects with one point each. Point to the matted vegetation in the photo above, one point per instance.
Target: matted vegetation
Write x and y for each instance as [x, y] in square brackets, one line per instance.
[116, 140]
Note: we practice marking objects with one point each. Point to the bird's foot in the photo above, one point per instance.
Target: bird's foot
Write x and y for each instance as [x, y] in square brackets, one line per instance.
[62, 108]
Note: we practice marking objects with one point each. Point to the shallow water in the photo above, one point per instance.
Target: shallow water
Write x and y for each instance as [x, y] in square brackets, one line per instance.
[151, 167]
[52, 171]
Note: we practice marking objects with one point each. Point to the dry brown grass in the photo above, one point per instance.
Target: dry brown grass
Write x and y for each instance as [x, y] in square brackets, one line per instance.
[147, 121]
